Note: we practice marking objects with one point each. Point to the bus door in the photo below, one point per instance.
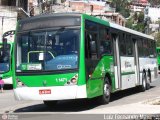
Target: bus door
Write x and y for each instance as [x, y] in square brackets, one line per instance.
[117, 65]
[136, 61]
[94, 81]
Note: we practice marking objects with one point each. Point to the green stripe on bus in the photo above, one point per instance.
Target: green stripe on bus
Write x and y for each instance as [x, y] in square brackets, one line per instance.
[127, 73]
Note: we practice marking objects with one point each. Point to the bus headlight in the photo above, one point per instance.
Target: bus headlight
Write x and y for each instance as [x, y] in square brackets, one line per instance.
[73, 80]
[20, 83]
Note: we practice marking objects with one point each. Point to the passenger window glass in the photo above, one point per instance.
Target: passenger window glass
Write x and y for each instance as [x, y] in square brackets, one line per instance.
[129, 44]
[122, 45]
[91, 36]
[105, 41]
[140, 48]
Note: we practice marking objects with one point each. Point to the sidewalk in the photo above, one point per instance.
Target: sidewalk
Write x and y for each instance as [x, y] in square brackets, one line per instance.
[144, 107]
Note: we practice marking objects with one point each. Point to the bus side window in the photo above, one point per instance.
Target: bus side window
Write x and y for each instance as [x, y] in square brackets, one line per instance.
[91, 37]
[105, 41]
[91, 46]
[140, 48]
[145, 48]
[153, 48]
[122, 45]
[129, 47]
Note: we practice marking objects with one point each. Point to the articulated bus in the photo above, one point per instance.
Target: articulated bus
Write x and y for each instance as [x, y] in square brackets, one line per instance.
[5, 57]
[158, 57]
[72, 56]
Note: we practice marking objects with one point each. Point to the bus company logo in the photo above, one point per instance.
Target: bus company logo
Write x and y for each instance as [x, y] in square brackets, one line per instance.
[4, 117]
[44, 83]
[127, 64]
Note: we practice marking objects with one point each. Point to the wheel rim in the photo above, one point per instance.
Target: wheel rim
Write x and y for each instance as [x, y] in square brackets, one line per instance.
[106, 90]
[144, 83]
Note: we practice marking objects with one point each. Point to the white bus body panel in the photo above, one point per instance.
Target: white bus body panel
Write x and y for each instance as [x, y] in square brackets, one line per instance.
[57, 93]
[128, 72]
[148, 63]
[116, 77]
[127, 65]
[8, 80]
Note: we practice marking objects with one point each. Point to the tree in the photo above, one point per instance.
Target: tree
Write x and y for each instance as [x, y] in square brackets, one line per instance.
[121, 6]
[139, 27]
[141, 17]
[129, 23]
[136, 22]
[154, 2]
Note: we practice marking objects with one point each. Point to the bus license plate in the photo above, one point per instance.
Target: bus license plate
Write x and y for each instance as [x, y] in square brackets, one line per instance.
[46, 91]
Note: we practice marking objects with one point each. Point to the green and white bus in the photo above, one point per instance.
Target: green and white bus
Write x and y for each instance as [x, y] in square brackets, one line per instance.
[5, 57]
[73, 56]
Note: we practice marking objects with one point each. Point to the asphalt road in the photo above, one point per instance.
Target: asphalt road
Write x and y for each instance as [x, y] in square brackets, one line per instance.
[8, 104]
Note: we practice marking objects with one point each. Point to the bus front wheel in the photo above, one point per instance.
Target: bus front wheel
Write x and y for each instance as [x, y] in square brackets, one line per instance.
[105, 98]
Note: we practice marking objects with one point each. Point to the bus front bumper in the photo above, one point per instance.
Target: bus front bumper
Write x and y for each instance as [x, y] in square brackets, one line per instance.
[8, 80]
[50, 93]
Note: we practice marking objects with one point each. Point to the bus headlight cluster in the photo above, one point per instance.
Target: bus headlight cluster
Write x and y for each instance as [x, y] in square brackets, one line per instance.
[19, 83]
[73, 80]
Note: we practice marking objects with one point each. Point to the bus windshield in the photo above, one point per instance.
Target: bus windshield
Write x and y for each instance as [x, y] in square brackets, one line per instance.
[4, 58]
[48, 50]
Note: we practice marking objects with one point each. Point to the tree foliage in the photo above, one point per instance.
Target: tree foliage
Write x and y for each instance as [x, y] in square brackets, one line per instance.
[154, 2]
[121, 7]
[136, 22]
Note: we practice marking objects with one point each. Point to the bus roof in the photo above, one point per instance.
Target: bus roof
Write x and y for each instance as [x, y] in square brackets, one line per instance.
[49, 15]
[116, 26]
[119, 27]
[112, 25]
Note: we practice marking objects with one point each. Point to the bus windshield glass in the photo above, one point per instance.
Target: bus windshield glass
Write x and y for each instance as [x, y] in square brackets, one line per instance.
[4, 58]
[48, 50]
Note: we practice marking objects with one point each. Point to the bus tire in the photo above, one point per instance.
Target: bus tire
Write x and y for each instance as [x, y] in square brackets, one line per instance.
[105, 98]
[144, 83]
[148, 80]
[50, 103]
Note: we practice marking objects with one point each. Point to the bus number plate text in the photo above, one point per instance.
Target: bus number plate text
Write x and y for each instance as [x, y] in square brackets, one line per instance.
[47, 91]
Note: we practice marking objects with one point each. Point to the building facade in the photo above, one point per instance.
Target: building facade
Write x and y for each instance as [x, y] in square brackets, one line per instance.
[138, 5]
[100, 9]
